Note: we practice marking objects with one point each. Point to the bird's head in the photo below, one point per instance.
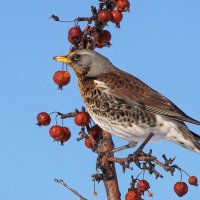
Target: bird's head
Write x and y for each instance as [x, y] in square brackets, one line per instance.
[86, 63]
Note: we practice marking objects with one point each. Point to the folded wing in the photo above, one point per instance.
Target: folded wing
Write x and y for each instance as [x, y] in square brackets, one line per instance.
[132, 90]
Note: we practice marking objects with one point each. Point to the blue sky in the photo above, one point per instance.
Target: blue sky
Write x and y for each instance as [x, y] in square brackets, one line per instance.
[158, 42]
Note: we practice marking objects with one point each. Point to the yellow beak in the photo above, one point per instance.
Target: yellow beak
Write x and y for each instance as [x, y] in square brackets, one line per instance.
[63, 59]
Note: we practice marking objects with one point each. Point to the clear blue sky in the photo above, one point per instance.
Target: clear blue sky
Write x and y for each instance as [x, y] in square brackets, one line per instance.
[159, 42]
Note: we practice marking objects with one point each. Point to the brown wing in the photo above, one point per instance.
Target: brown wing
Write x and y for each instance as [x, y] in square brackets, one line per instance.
[129, 88]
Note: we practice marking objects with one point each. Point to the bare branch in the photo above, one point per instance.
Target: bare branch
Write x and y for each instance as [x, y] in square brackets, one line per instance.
[69, 188]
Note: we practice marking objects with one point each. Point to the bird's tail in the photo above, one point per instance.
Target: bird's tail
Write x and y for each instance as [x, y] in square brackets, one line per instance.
[186, 138]
[197, 137]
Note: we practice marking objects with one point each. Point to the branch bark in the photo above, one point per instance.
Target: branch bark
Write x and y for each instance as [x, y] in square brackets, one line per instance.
[108, 169]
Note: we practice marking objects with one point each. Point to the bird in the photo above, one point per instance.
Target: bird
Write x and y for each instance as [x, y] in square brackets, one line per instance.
[125, 106]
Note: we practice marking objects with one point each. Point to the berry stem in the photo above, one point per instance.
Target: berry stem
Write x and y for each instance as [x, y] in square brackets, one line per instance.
[140, 174]
[181, 175]
[143, 174]
[94, 192]
[185, 172]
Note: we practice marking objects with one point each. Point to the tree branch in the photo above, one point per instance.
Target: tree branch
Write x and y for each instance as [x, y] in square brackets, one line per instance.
[107, 167]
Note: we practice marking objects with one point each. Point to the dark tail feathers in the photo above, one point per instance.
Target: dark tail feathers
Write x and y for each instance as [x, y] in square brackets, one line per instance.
[197, 137]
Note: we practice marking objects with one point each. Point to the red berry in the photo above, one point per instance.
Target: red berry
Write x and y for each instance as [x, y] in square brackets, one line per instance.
[116, 16]
[95, 131]
[88, 143]
[56, 132]
[143, 186]
[66, 135]
[75, 35]
[180, 188]
[133, 195]
[61, 78]
[82, 118]
[104, 15]
[123, 5]
[103, 39]
[43, 119]
[192, 180]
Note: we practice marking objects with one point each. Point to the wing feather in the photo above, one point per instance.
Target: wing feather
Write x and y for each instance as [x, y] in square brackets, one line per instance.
[132, 90]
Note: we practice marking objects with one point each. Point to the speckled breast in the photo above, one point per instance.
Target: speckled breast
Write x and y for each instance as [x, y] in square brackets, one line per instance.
[111, 109]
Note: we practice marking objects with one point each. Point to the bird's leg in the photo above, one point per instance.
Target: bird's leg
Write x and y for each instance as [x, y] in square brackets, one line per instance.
[124, 147]
[141, 147]
[133, 144]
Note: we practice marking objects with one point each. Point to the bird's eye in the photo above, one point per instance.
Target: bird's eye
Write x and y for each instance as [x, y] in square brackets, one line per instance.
[76, 57]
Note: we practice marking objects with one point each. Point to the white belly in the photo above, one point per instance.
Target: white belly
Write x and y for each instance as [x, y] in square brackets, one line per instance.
[137, 133]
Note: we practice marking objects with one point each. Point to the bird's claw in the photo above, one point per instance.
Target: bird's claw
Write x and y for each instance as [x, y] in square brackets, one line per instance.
[134, 157]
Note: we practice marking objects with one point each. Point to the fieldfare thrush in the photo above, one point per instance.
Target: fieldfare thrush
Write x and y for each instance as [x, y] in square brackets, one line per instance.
[123, 105]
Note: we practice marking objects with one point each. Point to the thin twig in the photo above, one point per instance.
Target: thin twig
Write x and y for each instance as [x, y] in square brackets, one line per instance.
[68, 115]
[69, 188]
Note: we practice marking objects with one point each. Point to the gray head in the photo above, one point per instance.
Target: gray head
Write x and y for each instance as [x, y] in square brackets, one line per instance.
[87, 63]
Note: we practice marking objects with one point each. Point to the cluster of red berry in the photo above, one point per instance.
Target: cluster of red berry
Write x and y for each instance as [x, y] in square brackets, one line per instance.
[62, 134]
[58, 133]
[136, 191]
[181, 188]
[93, 35]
